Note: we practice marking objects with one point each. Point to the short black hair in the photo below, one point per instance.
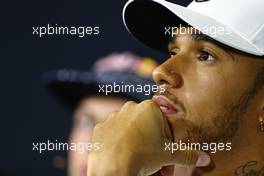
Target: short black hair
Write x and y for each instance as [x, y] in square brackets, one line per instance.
[201, 36]
[259, 82]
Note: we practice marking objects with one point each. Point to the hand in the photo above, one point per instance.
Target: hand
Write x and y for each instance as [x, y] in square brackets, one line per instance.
[132, 143]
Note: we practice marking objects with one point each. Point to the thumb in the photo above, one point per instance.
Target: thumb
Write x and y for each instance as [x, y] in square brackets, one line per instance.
[189, 157]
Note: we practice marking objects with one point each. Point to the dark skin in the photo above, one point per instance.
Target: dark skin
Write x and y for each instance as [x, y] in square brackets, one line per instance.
[213, 94]
[223, 101]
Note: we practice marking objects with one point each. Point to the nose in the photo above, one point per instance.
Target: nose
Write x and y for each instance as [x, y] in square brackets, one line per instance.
[167, 73]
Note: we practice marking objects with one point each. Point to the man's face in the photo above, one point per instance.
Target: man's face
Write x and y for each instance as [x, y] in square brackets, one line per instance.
[209, 89]
[91, 110]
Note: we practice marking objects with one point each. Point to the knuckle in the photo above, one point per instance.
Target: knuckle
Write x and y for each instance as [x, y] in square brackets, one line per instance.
[112, 114]
[129, 104]
[147, 103]
[97, 127]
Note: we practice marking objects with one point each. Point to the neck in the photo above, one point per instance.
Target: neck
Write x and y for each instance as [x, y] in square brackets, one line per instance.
[241, 162]
[245, 158]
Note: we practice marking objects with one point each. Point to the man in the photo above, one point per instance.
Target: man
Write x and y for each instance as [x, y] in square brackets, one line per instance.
[214, 93]
[80, 91]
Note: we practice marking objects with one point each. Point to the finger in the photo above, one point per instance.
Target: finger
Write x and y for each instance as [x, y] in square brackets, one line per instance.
[189, 157]
[203, 159]
[155, 109]
[167, 130]
[111, 115]
[127, 106]
[150, 105]
[147, 102]
[96, 132]
[97, 126]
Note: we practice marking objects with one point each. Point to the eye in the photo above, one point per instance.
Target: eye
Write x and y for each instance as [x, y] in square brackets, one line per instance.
[173, 52]
[205, 56]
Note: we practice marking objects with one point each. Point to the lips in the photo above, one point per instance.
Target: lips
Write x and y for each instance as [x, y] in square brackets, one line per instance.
[165, 106]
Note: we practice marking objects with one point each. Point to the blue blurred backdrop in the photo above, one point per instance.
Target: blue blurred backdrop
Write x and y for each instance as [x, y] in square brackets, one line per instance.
[27, 109]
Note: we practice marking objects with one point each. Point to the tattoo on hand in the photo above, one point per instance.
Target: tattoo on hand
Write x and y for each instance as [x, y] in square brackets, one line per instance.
[248, 169]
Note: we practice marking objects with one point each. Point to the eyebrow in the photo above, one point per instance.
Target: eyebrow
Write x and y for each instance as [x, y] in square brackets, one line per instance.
[197, 37]
[203, 37]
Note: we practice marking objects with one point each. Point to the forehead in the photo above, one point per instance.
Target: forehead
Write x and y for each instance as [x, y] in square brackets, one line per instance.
[194, 35]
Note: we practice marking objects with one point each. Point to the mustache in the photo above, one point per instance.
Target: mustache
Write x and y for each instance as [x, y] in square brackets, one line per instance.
[164, 90]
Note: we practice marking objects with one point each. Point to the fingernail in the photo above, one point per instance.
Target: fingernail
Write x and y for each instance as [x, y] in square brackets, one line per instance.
[203, 160]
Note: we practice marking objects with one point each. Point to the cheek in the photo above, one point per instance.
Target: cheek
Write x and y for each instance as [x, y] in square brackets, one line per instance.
[205, 98]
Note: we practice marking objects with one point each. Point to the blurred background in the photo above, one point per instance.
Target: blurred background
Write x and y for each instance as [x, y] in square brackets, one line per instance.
[27, 108]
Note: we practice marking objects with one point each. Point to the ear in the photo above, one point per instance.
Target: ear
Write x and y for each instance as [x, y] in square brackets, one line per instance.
[261, 119]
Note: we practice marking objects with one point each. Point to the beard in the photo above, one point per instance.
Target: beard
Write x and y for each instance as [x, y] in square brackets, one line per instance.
[224, 125]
